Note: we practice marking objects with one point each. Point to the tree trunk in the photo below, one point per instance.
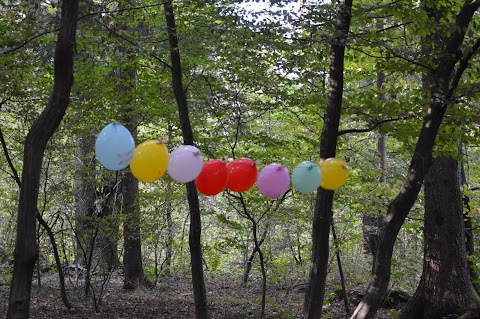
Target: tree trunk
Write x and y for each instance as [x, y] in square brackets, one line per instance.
[84, 194]
[248, 266]
[108, 224]
[372, 223]
[468, 225]
[35, 143]
[445, 288]
[340, 269]
[132, 258]
[442, 89]
[315, 291]
[199, 291]
[169, 239]
[56, 255]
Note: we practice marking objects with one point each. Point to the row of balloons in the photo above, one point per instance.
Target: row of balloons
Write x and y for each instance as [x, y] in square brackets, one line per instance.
[115, 150]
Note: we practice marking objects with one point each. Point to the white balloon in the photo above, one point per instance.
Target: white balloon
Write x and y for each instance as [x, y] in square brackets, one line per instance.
[185, 163]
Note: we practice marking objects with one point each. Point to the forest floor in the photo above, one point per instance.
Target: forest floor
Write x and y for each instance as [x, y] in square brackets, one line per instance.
[172, 298]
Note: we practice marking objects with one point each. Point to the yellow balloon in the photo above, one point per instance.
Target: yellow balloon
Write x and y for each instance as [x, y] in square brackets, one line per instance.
[334, 173]
[150, 161]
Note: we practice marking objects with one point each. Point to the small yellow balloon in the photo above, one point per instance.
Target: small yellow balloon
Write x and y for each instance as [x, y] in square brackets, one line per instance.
[150, 161]
[334, 173]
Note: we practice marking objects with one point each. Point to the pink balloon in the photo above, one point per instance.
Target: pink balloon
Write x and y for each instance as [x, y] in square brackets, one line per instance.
[273, 180]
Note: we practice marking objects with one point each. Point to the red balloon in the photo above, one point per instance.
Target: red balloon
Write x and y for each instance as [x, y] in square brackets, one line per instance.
[242, 174]
[213, 178]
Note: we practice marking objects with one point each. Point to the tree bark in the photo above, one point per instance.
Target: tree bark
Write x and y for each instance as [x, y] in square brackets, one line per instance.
[315, 291]
[84, 193]
[445, 288]
[126, 74]
[442, 88]
[35, 143]
[199, 291]
[340, 269]
[170, 236]
[132, 258]
[468, 225]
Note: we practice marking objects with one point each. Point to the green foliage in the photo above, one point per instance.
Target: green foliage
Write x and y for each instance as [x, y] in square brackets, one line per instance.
[6, 275]
[257, 87]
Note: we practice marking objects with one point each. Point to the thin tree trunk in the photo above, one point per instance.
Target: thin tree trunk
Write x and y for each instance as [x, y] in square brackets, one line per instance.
[84, 193]
[199, 291]
[442, 89]
[340, 269]
[35, 143]
[58, 263]
[262, 263]
[315, 291]
[371, 223]
[248, 266]
[169, 220]
[169, 242]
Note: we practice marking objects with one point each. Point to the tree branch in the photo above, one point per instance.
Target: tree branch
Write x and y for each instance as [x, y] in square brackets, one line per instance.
[25, 42]
[9, 160]
[462, 67]
[374, 125]
[132, 43]
[122, 10]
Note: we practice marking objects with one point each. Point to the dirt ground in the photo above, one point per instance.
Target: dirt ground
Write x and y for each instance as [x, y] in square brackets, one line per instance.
[171, 298]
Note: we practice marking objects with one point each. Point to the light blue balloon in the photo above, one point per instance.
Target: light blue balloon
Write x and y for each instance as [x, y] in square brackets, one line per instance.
[306, 177]
[114, 147]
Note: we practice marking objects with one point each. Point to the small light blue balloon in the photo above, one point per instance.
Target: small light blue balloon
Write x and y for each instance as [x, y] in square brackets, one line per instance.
[114, 147]
[306, 177]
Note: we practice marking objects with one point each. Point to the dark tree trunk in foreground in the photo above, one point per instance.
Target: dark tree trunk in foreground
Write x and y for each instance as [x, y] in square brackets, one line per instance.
[35, 143]
[315, 291]
[445, 288]
[199, 291]
[442, 89]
